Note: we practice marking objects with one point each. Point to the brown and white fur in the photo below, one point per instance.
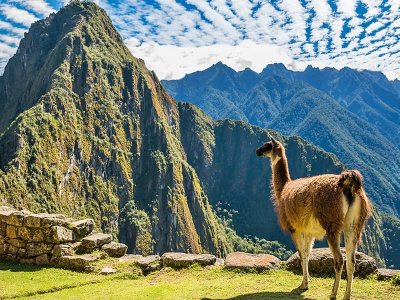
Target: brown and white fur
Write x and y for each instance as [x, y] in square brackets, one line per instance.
[312, 207]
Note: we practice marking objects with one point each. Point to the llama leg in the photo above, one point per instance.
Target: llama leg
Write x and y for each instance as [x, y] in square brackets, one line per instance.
[303, 245]
[334, 245]
[351, 245]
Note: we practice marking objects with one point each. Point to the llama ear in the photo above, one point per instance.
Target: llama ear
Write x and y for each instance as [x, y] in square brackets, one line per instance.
[271, 138]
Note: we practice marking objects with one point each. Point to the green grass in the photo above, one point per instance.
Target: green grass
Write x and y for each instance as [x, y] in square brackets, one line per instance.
[24, 282]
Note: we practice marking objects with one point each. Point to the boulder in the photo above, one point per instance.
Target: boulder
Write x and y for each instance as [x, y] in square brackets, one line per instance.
[247, 261]
[82, 228]
[94, 241]
[321, 263]
[183, 260]
[107, 271]
[114, 249]
[60, 234]
[386, 274]
[130, 258]
[219, 262]
[149, 263]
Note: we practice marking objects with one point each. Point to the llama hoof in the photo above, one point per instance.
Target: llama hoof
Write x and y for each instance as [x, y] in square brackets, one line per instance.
[332, 297]
[303, 287]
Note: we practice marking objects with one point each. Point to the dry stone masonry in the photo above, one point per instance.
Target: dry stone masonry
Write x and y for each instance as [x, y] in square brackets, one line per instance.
[52, 239]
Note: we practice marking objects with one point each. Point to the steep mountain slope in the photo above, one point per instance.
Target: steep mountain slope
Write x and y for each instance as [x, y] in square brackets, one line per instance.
[89, 131]
[276, 99]
[94, 132]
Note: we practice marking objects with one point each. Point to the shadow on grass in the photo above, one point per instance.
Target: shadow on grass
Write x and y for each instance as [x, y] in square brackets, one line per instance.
[295, 294]
[16, 267]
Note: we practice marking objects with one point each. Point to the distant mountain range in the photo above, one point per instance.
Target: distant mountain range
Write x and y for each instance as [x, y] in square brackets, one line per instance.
[354, 114]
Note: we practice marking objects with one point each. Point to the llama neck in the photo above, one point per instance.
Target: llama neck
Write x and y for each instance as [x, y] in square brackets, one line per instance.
[280, 174]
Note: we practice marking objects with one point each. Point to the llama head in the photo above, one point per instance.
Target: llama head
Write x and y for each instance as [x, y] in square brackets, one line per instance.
[271, 149]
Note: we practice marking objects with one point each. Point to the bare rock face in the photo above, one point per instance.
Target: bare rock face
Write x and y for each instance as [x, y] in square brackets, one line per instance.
[149, 263]
[114, 249]
[387, 274]
[184, 260]
[259, 262]
[321, 263]
[94, 241]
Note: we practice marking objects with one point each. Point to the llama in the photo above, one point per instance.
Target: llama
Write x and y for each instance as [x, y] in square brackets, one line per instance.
[312, 207]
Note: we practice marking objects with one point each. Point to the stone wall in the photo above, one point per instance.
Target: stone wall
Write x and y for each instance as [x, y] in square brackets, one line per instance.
[49, 239]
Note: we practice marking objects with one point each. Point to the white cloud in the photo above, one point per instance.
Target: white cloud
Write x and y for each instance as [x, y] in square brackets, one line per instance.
[17, 15]
[38, 6]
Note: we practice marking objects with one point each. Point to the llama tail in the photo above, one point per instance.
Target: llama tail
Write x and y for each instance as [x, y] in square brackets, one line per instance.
[351, 182]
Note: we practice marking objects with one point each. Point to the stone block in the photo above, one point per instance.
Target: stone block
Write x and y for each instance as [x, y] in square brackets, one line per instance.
[33, 220]
[183, 260]
[12, 250]
[107, 271]
[78, 262]
[62, 250]
[42, 260]
[3, 227]
[4, 248]
[49, 220]
[247, 261]
[5, 211]
[130, 258]
[17, 243]
[16, 218]
[31, 234]
[149, 263]
[36, 249]
[21, 253]
[28, 261]
[114, 249]
[11, 232]
[60, 234]
[82, 228]
[94, 241]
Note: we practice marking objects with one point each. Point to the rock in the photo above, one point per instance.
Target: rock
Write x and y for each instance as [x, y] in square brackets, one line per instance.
[183, 260]
[49, 220]
[321, 263]
[62, 250]
[114, 249]
[149, 263]
[259, 262]
[36, 249]
[12, 250]
[4, 248]
[94, 241]
[3, 227]
[17, 243]
[5, 211]
[21, 252]
[60, 234]
[33, 220]
[77, 262]
[130, 258]
[11, 232]
[42, 260]
[107, 271]
[16, 218]
[28, 261]
[82, 227]
[219, 262]
[386, 274]
[31, 234]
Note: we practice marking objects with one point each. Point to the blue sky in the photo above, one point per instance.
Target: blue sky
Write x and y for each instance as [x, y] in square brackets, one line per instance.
[175, 37]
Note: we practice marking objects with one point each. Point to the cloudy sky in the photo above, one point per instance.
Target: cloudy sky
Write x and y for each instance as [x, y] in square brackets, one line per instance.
[176, 37]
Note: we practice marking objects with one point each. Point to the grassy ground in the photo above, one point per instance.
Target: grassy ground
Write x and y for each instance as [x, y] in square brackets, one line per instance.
[196, 283]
